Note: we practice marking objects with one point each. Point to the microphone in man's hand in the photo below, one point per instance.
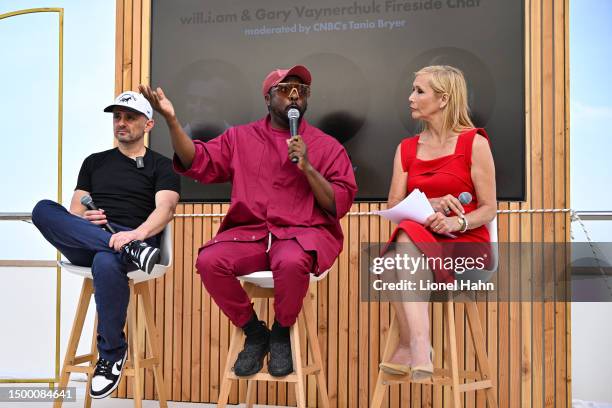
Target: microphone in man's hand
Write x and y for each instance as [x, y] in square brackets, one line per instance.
[87, 201]
[293, 115]
[465, 198]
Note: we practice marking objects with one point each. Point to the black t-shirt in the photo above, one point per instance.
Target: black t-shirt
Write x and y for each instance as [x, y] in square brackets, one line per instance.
[125, 192]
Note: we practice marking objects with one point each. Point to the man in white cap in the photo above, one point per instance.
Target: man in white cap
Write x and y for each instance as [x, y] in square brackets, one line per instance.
[136, 192]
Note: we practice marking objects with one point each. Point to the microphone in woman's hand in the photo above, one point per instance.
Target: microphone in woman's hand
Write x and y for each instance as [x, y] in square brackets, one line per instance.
[465, 198]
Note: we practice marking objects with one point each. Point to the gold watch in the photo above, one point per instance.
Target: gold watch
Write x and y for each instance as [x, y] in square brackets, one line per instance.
[461, 222]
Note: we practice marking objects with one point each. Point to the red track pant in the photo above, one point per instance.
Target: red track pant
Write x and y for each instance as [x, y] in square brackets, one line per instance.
[220, 264]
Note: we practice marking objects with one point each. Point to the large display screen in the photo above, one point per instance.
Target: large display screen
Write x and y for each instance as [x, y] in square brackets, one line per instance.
[210, 57]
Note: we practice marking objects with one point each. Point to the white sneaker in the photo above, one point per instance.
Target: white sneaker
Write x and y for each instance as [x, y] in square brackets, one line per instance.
[106, 377]
[142, 255]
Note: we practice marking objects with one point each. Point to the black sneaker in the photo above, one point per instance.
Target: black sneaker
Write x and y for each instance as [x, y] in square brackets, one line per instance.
[142, 255]
[280, 363]
[106, 377]
[256, 346]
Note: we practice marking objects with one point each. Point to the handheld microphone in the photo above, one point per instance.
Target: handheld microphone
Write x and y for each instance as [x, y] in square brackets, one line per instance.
[293, 115]
[87, 201]
[465, 198]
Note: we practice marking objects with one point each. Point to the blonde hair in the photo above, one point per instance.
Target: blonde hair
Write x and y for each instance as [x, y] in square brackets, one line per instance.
[450, 80]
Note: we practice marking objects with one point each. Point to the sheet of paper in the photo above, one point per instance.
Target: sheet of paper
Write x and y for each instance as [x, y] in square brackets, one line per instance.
[414, 207]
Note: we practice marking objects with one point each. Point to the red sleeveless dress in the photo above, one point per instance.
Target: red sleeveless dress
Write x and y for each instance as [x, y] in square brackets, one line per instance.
[449, 174]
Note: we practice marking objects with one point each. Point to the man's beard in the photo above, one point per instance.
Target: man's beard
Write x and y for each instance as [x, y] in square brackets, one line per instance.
[129, 138]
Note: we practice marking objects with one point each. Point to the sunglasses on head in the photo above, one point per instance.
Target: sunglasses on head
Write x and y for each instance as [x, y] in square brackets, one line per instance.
[286, 89]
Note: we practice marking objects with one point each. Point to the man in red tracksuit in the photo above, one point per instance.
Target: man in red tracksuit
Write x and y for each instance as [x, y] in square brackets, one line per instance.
[284, 215]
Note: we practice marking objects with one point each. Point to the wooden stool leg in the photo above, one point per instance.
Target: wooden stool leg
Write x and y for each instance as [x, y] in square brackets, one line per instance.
[390, 345]
[481, 351]
[154, 345]
[75, 335]
[134, 347]
[140, 335]
[311, 329]
[251, 394]
[296, 352]
[226, 382]
[454, 363]
[92, 363]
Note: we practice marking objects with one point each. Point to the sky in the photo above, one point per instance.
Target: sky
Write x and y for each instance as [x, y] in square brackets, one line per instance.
[591, 112]
[28, 160]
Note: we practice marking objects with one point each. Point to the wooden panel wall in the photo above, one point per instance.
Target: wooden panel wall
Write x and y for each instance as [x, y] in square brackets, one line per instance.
[528, 342]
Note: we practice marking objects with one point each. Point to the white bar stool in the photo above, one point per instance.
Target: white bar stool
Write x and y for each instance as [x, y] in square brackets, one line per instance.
[139, 287]
[482, 379]
[261, 285]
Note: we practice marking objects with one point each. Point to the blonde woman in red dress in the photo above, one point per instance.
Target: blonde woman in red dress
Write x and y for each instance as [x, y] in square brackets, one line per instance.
[448, 157]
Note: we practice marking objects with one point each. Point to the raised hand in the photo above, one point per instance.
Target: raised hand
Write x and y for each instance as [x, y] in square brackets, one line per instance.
[158, 100]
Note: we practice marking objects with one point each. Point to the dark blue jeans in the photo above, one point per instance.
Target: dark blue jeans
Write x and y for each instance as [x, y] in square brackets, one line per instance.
[86, 244]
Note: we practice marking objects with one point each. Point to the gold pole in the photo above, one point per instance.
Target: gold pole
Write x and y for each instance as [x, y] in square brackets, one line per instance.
[60, 127]
[145, 50]
[32, 10]
[58, 291]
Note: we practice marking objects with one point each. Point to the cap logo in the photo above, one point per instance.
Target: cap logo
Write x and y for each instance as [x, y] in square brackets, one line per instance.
[127, 99]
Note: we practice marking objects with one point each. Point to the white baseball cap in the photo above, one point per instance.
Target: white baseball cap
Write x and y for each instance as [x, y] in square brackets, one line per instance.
[134, 101]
